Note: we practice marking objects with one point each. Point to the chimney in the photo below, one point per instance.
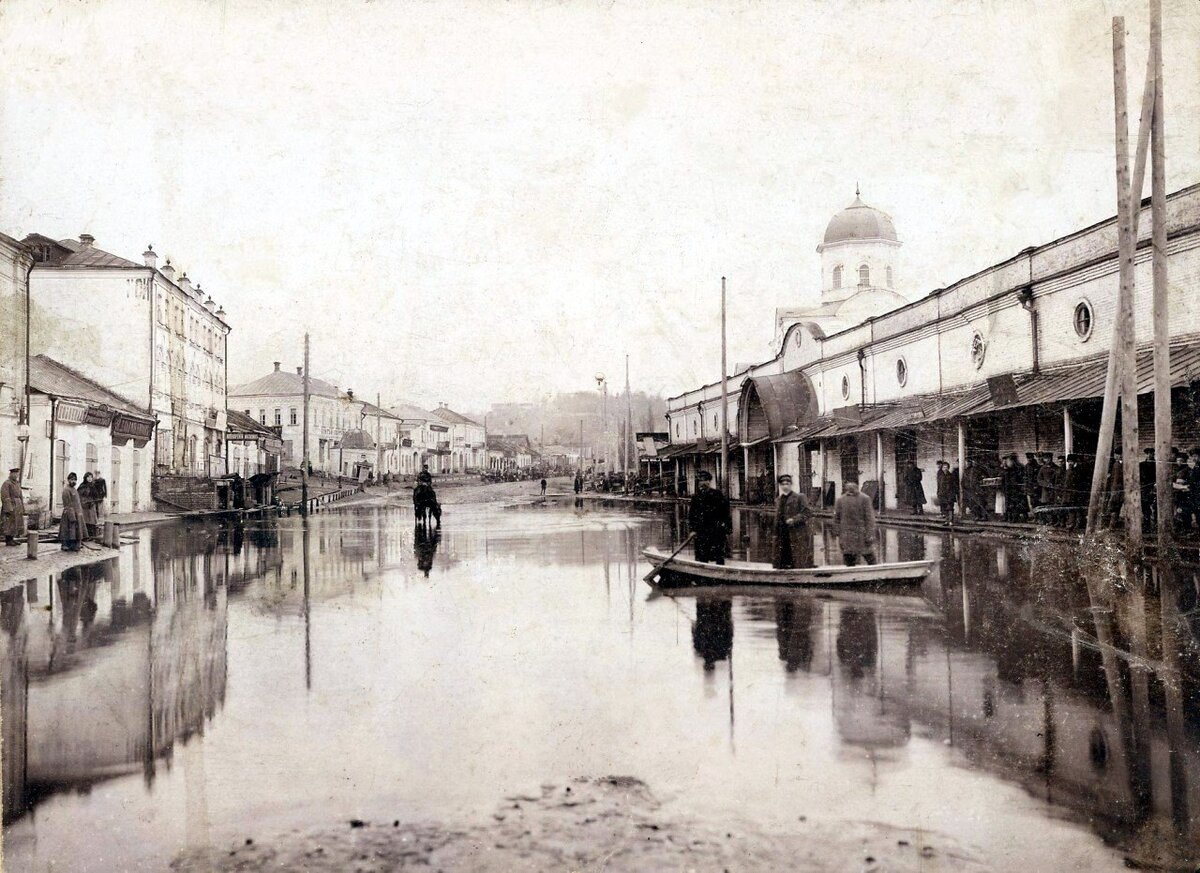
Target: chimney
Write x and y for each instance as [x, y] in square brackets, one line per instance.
[209, 303]
[221, 313]
[168, 270]
[299, 371]
[277, 367]
[150, 257]
[185, 283]
[350, 393]
[86, 240]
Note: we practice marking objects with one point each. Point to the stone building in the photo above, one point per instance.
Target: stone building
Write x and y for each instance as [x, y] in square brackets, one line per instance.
[1010, 359]
[277, 400]
[468, 447]
[15, 264]
[153, 338]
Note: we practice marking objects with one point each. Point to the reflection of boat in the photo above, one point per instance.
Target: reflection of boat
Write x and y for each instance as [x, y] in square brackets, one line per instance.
[897, 604]
[753, 573]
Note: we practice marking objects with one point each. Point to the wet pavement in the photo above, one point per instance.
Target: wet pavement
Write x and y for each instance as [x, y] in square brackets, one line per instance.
[216, 684]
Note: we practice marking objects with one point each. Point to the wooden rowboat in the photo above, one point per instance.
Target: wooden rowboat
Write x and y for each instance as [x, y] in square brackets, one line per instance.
[753, 573]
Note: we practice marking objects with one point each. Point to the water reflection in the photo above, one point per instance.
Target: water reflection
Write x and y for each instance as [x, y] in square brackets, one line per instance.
[1018, 665]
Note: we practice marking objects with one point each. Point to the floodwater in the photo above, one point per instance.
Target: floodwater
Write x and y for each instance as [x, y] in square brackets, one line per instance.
[217, 683]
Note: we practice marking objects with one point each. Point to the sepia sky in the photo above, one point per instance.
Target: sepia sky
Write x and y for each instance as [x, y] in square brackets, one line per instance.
[476, 202]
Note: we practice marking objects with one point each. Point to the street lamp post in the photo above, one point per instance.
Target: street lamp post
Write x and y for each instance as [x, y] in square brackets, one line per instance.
[602, 387]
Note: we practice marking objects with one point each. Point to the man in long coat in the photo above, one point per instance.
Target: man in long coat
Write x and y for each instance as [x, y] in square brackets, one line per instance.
[855, 518]
[793, 539]
[70, 526]
[710, 520]
[913, 488]
[947, 489]
[12, 507]
[972, 486]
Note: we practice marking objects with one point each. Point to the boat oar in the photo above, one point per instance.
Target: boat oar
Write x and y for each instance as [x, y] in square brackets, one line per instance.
[653, 574]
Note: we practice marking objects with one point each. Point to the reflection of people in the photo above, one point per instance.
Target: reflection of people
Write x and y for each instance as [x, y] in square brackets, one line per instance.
[425, 543]
[70, 526]
[710, 520]
[855, 519]
[793, 633]
[793, 541]
[712, 634]
[857, 640]
[12, 507]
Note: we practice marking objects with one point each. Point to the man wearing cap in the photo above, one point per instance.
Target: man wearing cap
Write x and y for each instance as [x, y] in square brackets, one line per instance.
[710, 520]
[1046, 477]
[12, 507]
[793, 539]
[947, 489]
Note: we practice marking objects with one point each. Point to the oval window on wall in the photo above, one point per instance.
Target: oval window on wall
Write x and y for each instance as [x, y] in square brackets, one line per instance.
[1083, 320]
[845, 387]
[797, 339]
[978, 350]
[902, 372]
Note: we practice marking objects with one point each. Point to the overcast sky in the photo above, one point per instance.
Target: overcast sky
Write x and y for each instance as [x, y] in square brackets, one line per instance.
[474, 202]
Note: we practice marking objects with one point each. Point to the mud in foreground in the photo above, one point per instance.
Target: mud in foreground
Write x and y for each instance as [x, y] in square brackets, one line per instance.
[613, 823]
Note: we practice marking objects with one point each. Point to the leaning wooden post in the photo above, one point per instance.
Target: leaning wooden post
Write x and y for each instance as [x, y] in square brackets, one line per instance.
[1127, 251]
[1162, 330]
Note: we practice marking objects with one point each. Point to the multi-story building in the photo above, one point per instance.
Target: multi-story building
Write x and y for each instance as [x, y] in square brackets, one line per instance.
[468, 444]
[1010, 359]
[426, 439]
[15, 263]
[277, 400]
[150, 337]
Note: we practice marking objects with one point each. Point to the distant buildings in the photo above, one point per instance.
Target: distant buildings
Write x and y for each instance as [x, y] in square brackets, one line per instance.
[468, 449]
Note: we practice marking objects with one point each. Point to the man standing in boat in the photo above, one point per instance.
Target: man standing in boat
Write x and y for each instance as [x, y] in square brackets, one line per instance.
[855, 519]
[793, 540]
[710, 520]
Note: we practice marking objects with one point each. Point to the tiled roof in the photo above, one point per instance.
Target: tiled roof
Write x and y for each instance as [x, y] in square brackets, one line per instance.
[48, 376]
[410, 412]
[445, 413]
[239, 422]
[356, 439]
[285, 383]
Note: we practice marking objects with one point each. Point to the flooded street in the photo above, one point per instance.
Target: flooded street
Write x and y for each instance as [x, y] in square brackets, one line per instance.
[216, 684]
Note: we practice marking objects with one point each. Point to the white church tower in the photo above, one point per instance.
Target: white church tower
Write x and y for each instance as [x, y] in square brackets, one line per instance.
[858, 272]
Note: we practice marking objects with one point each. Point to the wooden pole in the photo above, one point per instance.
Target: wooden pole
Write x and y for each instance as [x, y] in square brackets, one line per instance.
[1127, 251]
[304, 439]
[629, 441]
[724, 401]
[378, 441]
[1162, 330]
[1122, 350]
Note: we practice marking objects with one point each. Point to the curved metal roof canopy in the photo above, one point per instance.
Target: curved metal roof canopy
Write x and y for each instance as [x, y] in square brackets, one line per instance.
[770, 405]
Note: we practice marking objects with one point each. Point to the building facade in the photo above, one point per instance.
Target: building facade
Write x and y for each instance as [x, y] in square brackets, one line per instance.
[15, 264]
[468, 440]
[151, 337]
[1010, 359]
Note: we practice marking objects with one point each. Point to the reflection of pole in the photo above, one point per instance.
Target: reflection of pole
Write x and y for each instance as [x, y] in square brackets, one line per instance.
[307, 628]
[1172, 678]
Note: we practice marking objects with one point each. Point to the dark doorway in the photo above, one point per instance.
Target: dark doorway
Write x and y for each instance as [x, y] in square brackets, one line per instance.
[849, 452]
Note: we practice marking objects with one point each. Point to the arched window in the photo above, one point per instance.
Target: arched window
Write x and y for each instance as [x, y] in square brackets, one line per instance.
[837, 276]
[889, 277]
[864, 275]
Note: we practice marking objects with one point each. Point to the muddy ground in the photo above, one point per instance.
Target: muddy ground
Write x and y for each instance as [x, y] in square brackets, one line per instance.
[611, 823]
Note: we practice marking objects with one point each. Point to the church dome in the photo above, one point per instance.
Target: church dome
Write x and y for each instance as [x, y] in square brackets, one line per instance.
[858, 221]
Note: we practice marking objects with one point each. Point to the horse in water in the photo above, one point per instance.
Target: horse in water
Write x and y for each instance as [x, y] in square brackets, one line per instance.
[425, 504]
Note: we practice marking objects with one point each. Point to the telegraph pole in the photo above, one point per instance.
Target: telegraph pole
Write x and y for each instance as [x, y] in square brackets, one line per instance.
[629, 443]
[304, 441]
[1162, 332]
[378, 442]
[724, 401]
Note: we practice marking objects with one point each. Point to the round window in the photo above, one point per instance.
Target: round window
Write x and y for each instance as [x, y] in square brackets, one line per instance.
[901, 372]
[1083, 320]
[845, 387]
[978, 350]
[797, 339]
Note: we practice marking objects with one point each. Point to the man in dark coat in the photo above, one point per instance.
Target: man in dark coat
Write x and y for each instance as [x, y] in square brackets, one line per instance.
[12, 507]
[947, 489]
[1114, 491]
[1032, 468]
[1077, 488]
[855, 518]
[710, 520]
[425, 477]
[914, 489]
[1012, 484]
[1046, 478]
[972, 488]
[793, 539]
